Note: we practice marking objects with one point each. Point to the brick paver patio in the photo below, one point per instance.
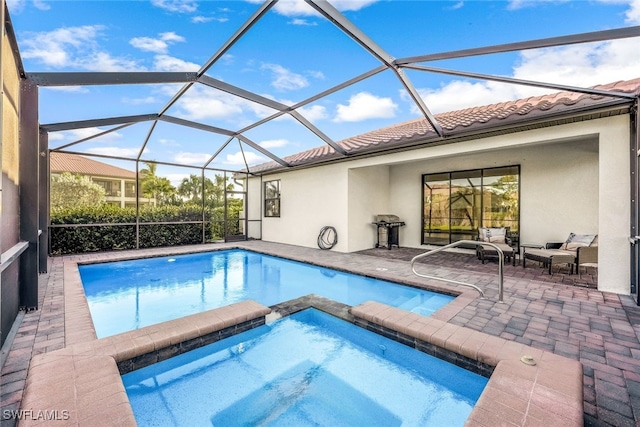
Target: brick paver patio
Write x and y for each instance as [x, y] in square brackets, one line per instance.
[555, 313]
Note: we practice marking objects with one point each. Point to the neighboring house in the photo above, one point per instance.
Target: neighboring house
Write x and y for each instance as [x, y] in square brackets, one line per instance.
[546, 166]
[119, 184]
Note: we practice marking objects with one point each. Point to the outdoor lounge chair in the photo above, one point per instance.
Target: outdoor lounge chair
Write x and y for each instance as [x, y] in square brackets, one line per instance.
[499, 236]
[577, 249]
[587, 255]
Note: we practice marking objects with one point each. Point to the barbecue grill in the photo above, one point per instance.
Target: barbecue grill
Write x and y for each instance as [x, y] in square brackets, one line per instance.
[388, 227]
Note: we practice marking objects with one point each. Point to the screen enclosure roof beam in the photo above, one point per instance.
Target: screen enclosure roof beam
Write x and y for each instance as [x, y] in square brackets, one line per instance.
[264, 8]
[590, 91]
[596, 36]
[82, 124]
[340, 21]
[119, 78]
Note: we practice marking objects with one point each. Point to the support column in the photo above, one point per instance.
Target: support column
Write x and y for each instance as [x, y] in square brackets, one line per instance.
[29, 160]
[635, 193]
[43, 202]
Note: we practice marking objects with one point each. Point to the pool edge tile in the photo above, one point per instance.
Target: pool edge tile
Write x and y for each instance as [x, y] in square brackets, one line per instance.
[85, 379]
[554, 382]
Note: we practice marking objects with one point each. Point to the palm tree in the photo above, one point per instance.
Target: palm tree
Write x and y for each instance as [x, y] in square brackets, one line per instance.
[154, 186]
[190, 189]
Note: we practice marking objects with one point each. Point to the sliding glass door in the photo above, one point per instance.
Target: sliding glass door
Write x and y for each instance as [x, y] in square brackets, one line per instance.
[455, 204]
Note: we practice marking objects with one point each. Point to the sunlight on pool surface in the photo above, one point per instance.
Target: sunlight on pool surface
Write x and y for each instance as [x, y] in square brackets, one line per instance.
[128, 295]
[306, 369]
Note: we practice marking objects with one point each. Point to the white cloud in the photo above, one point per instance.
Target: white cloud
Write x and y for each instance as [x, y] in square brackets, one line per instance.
[157, 45]
[15, 6]
[633, 14]
[351, 5]
[56, 136]
[581, 65]
[301, 8]
[294, 8]
[52, 47]
[178, 6]
[171, 37]
[176, 178]
[228, 59]
[103, 61]
[237, 159]
[147, 44]
[274, 143]
[316, 74]
[70, 89]
[586, 64]
[313, 113]
[74, 47]
[205, 19]
[520, 4]
[303, 22]
[170, 63]
[77, 134]
[168, 142]
[198, 103]
[201, 103]
[462, 94]
[284, 79]
[39, 4]
[363, 106]
[201, 19]
[187, 158]
[140, 101]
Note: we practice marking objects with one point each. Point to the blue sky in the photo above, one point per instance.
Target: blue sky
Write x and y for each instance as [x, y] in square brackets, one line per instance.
[291, 54]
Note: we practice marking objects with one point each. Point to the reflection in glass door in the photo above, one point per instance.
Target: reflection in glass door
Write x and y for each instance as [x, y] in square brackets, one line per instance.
[456, 204]
[235, 208]
[465, 201]
[436, 191]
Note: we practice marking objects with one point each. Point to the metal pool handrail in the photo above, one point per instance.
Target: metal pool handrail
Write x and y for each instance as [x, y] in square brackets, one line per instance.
[458, 243]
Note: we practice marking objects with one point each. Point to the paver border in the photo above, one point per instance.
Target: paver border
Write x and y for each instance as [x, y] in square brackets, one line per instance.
[87, 361]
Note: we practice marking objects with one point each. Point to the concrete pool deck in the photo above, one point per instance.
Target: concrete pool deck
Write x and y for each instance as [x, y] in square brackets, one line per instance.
[596, 329]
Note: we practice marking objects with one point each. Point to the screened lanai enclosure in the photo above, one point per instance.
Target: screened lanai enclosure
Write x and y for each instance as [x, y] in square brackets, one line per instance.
[131, 176]
[209, 202]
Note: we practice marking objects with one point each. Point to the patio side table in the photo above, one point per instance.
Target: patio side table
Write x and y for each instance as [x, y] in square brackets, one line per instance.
[524, 247]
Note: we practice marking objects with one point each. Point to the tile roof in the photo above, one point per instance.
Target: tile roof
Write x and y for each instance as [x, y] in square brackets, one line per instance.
[65, 162]
[456, 123]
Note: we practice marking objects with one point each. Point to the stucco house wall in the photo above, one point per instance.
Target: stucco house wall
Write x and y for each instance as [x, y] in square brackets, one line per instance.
[574, 178]
[558, 188]
[309, 200]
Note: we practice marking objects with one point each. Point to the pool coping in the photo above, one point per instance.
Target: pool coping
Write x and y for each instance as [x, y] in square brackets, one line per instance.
[548, 393]
[79, 324]
[81, 384]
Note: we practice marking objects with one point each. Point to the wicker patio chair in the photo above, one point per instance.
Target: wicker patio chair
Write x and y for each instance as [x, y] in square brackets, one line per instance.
[564, 253]
[499, 236]
[587, 255]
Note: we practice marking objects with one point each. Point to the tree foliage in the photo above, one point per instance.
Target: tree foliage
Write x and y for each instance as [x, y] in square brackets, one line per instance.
[190, 189]
[190, 223]
[75, 190]
[156, 187]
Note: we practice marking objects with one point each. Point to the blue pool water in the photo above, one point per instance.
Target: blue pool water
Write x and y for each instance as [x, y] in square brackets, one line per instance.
[128, 295]
[307, 369]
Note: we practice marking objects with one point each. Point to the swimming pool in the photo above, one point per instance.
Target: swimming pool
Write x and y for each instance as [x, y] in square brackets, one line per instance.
[128, 295]
[306, 369]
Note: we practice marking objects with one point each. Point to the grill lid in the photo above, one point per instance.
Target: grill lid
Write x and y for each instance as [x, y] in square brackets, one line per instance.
[387, 218]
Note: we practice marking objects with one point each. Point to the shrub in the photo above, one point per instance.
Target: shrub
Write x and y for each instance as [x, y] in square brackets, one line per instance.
[111, 236]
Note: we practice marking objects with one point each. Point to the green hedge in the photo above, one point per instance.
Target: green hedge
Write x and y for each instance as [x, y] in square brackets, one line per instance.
[70, 240]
